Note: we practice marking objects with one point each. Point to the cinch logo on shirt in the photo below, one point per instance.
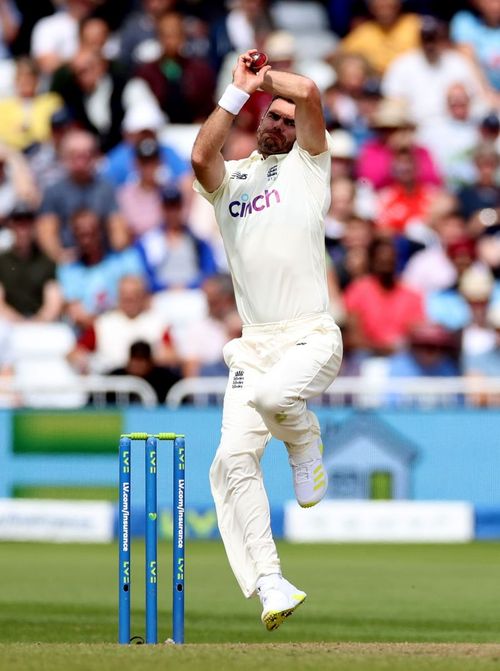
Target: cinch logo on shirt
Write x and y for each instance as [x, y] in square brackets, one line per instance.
[247, 205]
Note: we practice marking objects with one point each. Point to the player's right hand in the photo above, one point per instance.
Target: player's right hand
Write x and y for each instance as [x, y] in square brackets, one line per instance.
[244, 78]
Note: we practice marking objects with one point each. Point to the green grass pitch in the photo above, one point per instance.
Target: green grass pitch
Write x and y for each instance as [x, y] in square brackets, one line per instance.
[369, 608]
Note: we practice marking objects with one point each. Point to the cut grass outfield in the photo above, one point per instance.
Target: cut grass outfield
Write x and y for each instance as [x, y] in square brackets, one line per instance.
[58, 609]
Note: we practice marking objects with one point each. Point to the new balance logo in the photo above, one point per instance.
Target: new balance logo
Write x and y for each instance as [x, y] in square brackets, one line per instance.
[239, 175]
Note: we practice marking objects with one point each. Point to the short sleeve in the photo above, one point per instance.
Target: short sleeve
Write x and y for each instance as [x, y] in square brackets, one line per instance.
[212, 196]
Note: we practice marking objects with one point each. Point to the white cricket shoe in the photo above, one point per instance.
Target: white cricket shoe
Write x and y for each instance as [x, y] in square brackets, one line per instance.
[310, 479]
[279, 598]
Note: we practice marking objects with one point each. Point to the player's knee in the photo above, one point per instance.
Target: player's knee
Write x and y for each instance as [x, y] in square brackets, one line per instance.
[269, 399]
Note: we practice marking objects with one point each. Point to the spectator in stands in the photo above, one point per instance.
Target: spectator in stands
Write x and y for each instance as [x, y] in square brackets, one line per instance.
[28, 287]
[90, 283]
[388, 34]
[173, 257]
[342, 99]
[105, 344]
[477, 288]
[453, 138]
[183, 85]
[341, 210]
[447, 306]
[140, 201]
[487, 363]
[80, 188]
[45, 159]
[246, 25]
[142, 122]
[489, 129]
[96, 92]
[25, 117]
[477, 35]
[202, 343]
[384, 309]
[404, 206]
[422, 77]
[485, 192]
[16, 181]
[350, 253]
[141, 363]
[94, 35]
[343, 153]
[431, 352]
[431, 269]
[394, 131]
[138, 43]
[54, 40]
[10, 21]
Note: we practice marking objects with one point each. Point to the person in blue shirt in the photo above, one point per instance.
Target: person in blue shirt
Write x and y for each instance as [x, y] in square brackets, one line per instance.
[141, 122]
[431, 352]
[477, 34]
[174, 258]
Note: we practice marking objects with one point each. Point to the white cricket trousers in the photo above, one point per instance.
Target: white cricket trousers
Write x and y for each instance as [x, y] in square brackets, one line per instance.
[274, 369]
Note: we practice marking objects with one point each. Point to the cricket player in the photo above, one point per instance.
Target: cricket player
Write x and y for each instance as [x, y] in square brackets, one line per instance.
[270, 209]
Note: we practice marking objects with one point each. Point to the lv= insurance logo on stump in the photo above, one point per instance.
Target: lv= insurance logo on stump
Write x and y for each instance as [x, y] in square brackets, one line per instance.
[151, 520]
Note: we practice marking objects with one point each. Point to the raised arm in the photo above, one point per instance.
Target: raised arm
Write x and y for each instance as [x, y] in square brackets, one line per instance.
[309, 119]
[206, 157]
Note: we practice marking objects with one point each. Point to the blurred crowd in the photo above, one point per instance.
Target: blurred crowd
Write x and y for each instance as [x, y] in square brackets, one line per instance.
[100, 101]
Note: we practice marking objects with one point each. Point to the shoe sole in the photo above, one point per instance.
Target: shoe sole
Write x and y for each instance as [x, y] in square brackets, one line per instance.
[274, 618]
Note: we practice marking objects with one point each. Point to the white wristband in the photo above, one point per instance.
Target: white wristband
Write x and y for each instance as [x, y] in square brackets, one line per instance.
[233, 99]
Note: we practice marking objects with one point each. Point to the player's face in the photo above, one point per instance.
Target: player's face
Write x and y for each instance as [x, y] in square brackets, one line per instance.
[276, 132]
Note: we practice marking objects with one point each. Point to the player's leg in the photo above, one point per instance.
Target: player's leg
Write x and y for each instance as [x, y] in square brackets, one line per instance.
[305, 370]
[238, 490]
[243, 507]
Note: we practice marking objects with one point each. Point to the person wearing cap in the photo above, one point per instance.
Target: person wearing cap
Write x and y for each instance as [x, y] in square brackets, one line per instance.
[45, 159]
[387, 34]
[142, 122]
[394, 130]
[431, 351]
[28, 287]
[451, 306]
[140, 201]
[174, 258]
[422, 76]
[487, 363]
[25, 117]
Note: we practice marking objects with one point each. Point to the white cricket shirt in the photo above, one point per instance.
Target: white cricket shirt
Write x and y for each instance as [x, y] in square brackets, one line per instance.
[271, 216]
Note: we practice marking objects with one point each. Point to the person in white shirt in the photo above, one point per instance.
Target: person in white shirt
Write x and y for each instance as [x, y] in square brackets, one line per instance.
[55, 39]
[422, 76]
[270, 208]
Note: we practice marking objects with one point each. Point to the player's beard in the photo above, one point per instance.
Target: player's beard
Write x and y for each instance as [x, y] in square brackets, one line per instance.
[272, 142]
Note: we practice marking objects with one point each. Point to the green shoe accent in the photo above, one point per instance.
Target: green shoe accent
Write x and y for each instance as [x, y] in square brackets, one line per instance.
[274, 618]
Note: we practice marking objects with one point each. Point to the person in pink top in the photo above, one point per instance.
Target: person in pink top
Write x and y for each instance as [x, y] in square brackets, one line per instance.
[383, 309]
[394, 131]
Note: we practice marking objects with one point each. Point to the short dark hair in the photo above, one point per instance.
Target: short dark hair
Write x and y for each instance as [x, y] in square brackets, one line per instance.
[140, 349]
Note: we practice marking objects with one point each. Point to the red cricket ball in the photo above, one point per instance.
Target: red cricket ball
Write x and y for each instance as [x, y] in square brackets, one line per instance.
[259, 59]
